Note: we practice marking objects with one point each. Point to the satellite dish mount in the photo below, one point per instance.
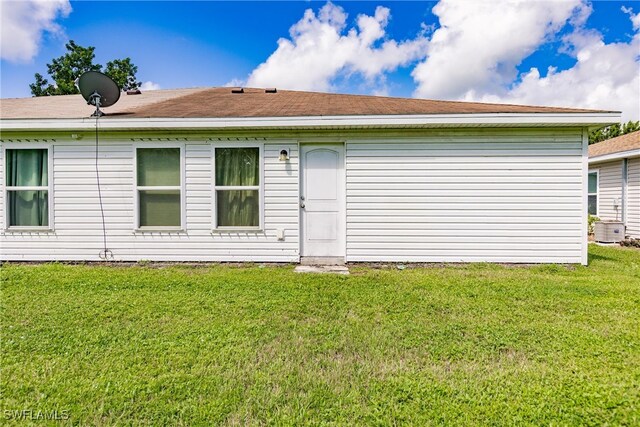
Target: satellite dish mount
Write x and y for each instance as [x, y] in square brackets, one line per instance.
[94, 99]
[98, 90]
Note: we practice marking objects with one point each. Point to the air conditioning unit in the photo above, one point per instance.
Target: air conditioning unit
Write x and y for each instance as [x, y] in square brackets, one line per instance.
[609, 231]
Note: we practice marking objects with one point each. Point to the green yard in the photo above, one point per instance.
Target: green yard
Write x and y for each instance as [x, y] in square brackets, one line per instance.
[457, 345]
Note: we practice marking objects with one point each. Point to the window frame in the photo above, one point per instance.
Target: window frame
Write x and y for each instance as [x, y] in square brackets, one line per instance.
[49, 187]
[215, 188]
[136, 189]
[597, 193]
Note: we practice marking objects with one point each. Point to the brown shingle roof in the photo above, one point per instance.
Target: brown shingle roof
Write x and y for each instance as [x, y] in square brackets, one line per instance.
[73, 106]
[221, 102]
[630, 141]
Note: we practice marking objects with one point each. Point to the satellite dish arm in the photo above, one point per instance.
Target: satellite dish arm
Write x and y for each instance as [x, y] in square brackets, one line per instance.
[94, 99]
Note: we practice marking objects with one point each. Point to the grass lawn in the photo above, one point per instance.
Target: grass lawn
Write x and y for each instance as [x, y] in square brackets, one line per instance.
[461, 345]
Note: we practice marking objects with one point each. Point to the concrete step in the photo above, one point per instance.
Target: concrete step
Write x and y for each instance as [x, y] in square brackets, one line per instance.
[328, 269]
[321, 260]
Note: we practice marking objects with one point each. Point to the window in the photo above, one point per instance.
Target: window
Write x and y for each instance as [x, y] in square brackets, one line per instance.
[237, 187]
[27, 187]
[159, 187]
[593, 193]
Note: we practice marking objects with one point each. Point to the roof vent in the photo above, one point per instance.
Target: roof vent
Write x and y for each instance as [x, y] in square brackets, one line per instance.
[237, 90]
[134, 92]
[271, 90]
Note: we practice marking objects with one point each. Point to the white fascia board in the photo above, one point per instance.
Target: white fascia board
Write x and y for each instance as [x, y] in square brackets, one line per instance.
[615, 156]
[320, 122]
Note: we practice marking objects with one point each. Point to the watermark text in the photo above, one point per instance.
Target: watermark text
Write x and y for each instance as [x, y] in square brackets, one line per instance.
[36, 414]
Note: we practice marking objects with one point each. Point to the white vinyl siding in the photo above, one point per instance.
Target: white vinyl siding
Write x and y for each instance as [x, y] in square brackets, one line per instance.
[465, 196]
[633, 198]
[610, 190]
[78, 232]
[2, 209]
[503, 195]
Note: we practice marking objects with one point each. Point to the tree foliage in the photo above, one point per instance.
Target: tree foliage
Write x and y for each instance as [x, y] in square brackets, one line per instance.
[65, 70]
[123, 72]
[612, 131]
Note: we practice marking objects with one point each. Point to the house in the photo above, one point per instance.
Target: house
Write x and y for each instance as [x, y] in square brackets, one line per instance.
[614, 181]
[221, 174]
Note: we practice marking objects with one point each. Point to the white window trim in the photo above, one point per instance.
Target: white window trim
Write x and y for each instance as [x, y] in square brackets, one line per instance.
[597, 193]
[137, 189]
[259, 187]
[49, 187]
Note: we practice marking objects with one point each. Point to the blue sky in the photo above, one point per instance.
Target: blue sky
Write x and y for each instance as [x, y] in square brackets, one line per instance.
[187, 44]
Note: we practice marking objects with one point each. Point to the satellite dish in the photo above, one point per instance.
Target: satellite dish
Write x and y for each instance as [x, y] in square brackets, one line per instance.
[99, 90]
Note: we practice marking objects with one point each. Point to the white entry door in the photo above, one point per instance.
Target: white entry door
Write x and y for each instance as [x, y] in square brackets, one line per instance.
[322, 200]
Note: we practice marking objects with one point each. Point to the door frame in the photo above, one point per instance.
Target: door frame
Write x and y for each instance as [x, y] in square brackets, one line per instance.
[342, 180]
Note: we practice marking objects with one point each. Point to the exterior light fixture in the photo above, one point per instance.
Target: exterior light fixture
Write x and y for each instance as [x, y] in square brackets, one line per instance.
[284, 155]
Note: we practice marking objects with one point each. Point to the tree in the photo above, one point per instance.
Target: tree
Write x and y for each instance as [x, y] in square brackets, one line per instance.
[123, 72]
[630, 126]
[612, 131]
[65, 70]
[41, 87]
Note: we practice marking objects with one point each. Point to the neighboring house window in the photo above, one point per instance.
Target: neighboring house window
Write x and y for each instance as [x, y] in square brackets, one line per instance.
[159, 187]
[237, 187]
[27, 187]
[593, 193]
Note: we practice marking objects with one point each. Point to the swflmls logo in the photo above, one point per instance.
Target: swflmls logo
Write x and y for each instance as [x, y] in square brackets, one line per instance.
[30, 414]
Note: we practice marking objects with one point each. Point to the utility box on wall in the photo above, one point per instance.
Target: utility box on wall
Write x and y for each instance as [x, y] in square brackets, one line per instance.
[609, 231]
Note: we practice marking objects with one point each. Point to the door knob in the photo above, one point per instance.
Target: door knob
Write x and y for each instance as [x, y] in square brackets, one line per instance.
[302, 204]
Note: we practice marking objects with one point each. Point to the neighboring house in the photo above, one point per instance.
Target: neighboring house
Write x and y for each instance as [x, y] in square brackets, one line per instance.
[614, 181]
[255, 175]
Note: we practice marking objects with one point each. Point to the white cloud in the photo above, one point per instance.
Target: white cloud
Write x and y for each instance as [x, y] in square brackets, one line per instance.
[234, 83]
[605, 76]
[479, 44]
[321, 48]
[635, 17]
[23, 23]
[149, 86]
[474, 54]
